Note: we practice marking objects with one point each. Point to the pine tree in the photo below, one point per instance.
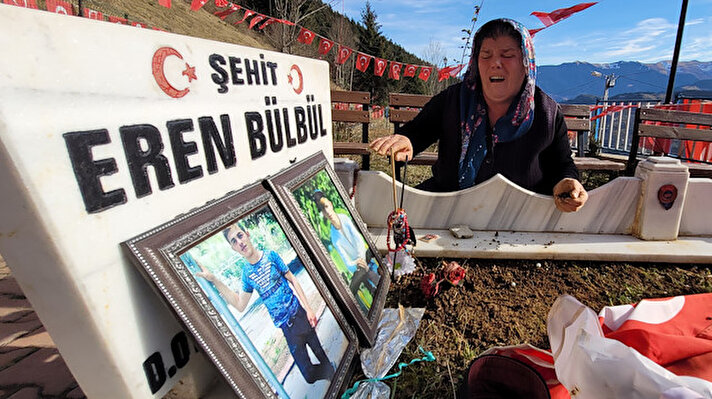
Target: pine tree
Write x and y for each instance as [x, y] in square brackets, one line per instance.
[371, 42]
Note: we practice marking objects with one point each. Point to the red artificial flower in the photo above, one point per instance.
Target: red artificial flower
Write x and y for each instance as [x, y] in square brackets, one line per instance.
[429, 286]
[454, 273]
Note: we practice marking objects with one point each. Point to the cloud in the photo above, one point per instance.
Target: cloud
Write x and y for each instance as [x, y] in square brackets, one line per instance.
[646, 36]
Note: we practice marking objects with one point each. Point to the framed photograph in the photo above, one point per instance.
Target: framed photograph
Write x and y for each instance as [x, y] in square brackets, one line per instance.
[241, 281]
[319, 207]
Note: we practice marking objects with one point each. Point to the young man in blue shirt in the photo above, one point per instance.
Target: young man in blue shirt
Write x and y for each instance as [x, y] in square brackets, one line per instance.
[287, 306]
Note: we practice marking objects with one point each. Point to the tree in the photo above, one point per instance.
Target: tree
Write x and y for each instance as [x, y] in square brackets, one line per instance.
[371, 42]
[283, 36]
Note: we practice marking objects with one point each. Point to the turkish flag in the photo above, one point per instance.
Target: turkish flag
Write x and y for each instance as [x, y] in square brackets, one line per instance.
[449, 72]
[22, 3]
[93, 14]
[395, 70]
[221, 3]
[247, 14]
[344, 54]
[533, 32]
[165, 3]
[306, 36]
[550, 18]
[59, 7]
[267, 22]
[362, 61]
[425, 73]
[257, 19]
[118, 20]
[325, 45]
[222, 14]
[196, 5]
[409, 71]
[379, 67]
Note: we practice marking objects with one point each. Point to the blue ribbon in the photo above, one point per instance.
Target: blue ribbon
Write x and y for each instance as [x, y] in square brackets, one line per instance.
[429, 357]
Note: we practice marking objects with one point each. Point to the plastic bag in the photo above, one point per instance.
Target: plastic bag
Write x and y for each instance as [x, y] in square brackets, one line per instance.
[591, 366]
[395, 329]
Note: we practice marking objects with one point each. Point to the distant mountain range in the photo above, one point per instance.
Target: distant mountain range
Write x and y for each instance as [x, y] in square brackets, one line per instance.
[573, 82]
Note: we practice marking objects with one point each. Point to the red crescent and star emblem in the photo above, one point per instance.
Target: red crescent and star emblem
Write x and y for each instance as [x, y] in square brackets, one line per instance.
[157, 67]
[667, 195]
[290, 78]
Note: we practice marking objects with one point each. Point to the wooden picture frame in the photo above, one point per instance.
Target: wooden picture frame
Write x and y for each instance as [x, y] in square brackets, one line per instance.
[261, 347]
[315, 200]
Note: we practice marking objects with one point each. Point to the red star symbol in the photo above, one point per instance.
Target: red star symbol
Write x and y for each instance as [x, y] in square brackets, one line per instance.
[190, 73]
[289, 79]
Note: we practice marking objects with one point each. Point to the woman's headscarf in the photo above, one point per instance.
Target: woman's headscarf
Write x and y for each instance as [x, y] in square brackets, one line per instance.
[473, 109]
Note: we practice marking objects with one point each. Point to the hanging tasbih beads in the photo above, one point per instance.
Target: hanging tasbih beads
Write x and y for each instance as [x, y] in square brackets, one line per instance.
[398, 224]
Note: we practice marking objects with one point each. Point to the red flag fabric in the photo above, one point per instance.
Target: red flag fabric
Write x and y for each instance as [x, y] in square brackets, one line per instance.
[362, 61]
[379, 67]
[59, 7]
[267, 22]
[325, 45]
[93, 14]
[247, 14]
[450, 71]
[286, 22]
[394, 71]
[672, 332]
[306, 36]
[343, 55]
[257, 19]
[409, 71]
[222, 14]
[139, 25]
[550, 18]
[118, 20]
[22, 3]
[165, 3]
[196, 5]
[533, 32]
[221, 3]
[425, 73]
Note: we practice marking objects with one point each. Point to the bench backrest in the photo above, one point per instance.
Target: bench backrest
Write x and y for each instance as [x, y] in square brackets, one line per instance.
[578, 120]
[404, 107]
[667, 124]
[362, 116]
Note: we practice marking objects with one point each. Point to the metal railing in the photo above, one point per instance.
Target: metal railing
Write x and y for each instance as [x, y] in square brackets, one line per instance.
[614, 132]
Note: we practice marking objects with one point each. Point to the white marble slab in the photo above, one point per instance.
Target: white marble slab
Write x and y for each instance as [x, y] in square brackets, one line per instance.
[556, 246]
[499, 204]
[697, 209]
[62, 75]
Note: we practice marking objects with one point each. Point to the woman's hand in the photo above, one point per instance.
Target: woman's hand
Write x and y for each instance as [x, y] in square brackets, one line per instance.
[400, 145]
[569, 195]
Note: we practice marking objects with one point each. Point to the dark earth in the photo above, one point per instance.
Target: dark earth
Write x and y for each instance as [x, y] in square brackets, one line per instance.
[505, 302]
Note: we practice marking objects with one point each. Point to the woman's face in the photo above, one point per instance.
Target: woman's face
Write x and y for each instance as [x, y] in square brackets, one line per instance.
[501, 69]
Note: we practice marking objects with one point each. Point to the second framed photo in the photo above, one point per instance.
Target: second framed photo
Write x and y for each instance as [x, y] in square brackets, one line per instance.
[320, 209]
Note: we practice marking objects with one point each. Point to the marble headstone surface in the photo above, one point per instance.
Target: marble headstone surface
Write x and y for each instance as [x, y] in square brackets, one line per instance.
[498, 204]
[107, 131]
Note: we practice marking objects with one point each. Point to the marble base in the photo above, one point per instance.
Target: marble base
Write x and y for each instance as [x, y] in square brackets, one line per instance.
[556, 246]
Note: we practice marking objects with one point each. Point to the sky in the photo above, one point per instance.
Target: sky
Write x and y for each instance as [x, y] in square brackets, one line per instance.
[610, 31]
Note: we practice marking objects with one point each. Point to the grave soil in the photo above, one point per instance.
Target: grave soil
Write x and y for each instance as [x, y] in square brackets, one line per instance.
[505, 302]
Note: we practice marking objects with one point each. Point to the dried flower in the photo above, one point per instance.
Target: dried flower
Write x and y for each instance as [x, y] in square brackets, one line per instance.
[454, 273]
[429, 286]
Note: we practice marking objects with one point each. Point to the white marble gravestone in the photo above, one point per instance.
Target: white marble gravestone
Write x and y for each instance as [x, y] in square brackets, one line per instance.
[107, 131]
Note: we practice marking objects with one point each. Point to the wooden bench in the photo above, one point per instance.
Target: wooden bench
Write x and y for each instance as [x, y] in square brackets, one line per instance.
[675, 125]
[405, 107]
[361, 116]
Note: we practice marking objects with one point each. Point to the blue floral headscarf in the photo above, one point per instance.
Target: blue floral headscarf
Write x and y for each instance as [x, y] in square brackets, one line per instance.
[473, 109]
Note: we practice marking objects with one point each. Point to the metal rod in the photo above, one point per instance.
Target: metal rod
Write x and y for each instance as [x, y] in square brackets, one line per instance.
[393, 172]
[676, 53]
